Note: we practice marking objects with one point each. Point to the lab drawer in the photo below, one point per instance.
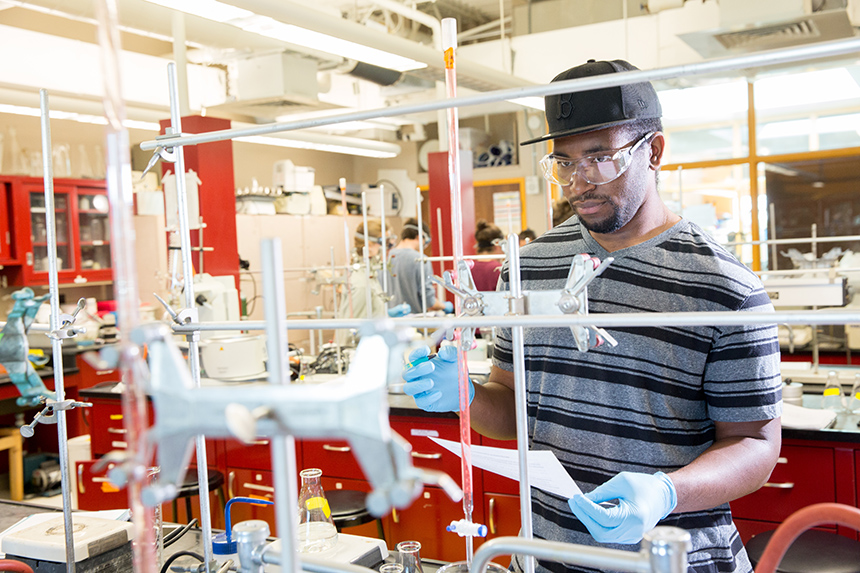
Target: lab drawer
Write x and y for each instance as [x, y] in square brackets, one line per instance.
[802, 476]
[333, 457]
[95, 492]
[425, 452]
[255, 456]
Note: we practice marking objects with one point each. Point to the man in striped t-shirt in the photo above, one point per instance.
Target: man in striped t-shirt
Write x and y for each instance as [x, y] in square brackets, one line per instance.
[674, 422]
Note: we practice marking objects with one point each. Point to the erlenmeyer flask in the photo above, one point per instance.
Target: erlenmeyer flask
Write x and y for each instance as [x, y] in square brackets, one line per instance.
[316, 529]
[854, 400]
[832, 398]
[408, 556]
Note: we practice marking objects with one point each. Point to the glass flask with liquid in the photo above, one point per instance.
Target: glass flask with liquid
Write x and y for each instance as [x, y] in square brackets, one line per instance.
[854, 399]
[316, 529]
[832, 398]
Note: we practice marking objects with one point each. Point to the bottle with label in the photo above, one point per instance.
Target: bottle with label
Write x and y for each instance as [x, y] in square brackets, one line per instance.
[224, 545]
[832, 398]
[316, 529]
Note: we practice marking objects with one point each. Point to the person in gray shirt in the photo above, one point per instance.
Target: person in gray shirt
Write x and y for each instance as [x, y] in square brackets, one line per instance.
[404, 263]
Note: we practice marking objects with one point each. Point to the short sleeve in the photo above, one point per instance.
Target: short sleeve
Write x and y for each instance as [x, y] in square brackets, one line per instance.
[742, 380]
[502, 347]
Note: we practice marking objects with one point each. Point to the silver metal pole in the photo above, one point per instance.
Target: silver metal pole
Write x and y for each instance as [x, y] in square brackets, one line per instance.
[521, 396]
[631, 319]
[365, 253]
[56, 343]
[384, 250]
[717, 65]
[441, 240]
[597, 557]
[815, 350]
[283, 446]
[193, 340]
[771, 215]
[334, 296]
[420, 218]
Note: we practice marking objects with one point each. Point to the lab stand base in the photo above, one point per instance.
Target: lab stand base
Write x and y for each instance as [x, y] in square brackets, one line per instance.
[116, 560]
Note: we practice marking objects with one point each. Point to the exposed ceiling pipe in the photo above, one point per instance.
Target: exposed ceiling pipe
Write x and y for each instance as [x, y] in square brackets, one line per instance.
[298, 15]
[477, 30]
[416, 15]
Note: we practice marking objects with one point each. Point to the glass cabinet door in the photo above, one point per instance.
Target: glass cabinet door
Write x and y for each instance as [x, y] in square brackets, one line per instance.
[94, 229]
[39, 232]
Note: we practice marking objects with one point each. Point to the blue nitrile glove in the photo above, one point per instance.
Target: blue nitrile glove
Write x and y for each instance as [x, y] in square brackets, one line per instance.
[643, 500]
[434, 383]
[401, 309]
[448, 307]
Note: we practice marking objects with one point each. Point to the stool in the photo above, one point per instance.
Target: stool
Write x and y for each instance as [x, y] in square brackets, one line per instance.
[190, 488]
[348, 509]
[10, 439]
[812, 552]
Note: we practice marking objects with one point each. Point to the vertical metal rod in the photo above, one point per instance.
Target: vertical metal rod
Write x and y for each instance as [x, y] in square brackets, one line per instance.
[384, 271]
[441, 240]
[771, 215]
[188, 287]
[319, 333]
[521, 395]
[342, 185]
[365, 253]
[449, 45]
[121, 202]
[283, 446]
[419, 199]
[334, 295]
[56, 343]
[815, 352]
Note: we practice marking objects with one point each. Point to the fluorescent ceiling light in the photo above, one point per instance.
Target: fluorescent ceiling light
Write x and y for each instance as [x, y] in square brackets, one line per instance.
[78, 117]
[271, 28]
[704, 102]
[378, 150]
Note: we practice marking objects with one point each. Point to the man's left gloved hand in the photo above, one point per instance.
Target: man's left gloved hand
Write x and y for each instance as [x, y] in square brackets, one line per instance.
[643, 500]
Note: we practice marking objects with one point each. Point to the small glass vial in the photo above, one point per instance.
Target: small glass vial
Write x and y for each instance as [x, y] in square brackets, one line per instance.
[316, 530]
[832, 399]
[854, 400]
[408, 556]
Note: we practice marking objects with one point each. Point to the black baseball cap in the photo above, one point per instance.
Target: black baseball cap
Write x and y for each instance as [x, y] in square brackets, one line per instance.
[581, 112]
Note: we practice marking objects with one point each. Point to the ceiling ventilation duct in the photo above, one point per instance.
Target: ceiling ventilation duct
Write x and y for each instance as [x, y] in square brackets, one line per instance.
[271, 85]
[768, 24]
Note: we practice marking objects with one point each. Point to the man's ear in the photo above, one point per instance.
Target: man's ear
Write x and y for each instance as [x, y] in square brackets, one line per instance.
[658, 146]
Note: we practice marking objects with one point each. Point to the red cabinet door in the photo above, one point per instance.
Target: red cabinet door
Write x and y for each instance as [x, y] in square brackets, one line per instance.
[804, 475]
[425, 521]
[242, 482]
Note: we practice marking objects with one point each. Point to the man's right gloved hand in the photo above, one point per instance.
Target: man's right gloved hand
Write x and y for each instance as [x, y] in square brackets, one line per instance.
[434, 383]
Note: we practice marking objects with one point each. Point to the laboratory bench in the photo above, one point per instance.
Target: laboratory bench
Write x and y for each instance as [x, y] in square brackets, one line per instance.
[815, 466]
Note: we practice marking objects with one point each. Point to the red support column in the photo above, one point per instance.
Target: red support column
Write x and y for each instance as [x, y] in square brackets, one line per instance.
[440, 198]
[213, 163]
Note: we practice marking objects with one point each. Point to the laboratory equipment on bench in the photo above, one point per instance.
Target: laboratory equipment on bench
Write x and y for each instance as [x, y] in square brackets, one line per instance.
[235, 358]
[224, 546]
[317, 532]
[99, 545]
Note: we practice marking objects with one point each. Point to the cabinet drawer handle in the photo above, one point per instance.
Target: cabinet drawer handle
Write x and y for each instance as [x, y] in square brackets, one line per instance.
[117, 431]
[394, 516]
[329, 448]
[81, 478]
[101, 480]
[782, 460]
[255, 487]
[492, 516]
[435, 456]
[259, 443]
[784, 485]
[231, 477]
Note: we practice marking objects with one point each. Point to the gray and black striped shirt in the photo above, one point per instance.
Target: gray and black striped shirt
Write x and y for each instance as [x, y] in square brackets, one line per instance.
[650, 403]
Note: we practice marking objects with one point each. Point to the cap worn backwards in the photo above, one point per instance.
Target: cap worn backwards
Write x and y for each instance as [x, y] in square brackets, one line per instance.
[584, 111]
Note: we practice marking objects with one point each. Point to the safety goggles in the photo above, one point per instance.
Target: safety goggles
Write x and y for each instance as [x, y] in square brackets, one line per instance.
[596, 168]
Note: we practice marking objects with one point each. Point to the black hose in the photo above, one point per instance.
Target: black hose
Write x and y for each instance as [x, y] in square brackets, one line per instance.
[177, 555]
[177, 533]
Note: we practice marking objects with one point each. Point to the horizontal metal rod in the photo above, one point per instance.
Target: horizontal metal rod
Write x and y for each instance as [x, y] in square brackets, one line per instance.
[633, 319]
[796, 241]
[584, 555]
[765, 58]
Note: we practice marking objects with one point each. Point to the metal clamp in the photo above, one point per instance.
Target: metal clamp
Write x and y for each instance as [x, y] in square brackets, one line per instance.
[166, 152]
[574, 300]
[66, 320]
[47, 415]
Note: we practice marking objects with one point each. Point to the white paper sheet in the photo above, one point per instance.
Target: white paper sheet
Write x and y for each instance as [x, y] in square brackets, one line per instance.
[545, 471]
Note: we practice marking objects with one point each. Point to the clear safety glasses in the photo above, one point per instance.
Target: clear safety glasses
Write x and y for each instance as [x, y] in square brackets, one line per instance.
[597, 168]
